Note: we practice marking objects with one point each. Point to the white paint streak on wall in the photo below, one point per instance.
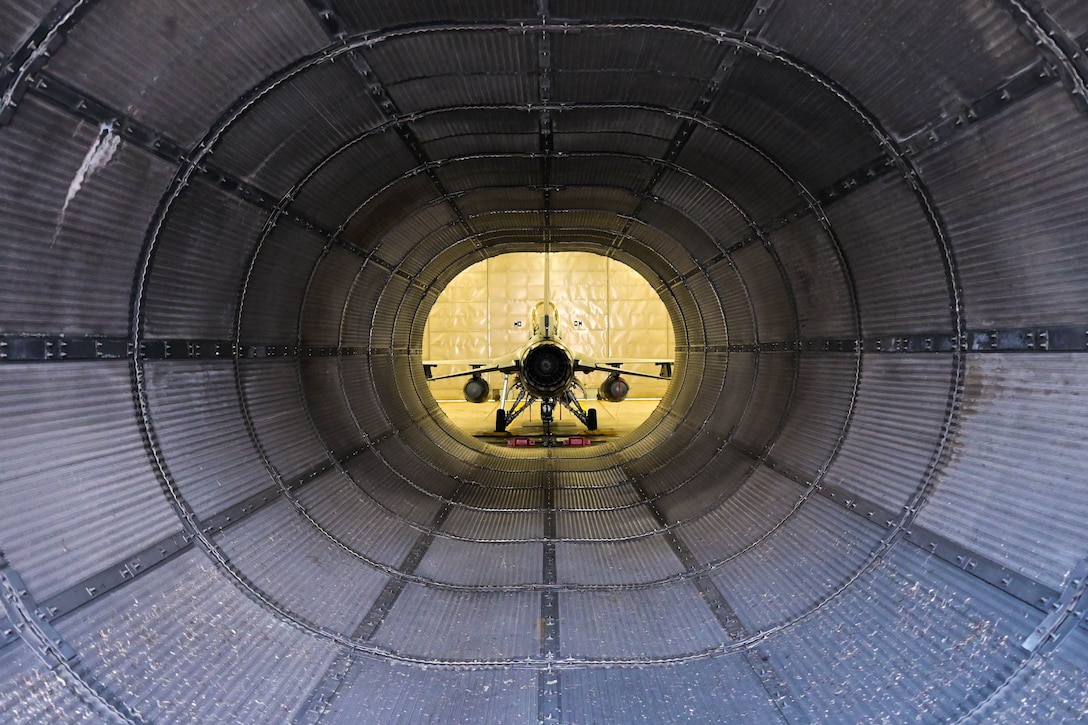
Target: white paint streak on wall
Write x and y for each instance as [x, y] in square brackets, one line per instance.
[100, 153]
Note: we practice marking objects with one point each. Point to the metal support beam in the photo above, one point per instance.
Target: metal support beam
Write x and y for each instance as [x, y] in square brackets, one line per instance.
[347, 666]
[30, 622]
[549, 680]
[1070, 610]
[773, 683]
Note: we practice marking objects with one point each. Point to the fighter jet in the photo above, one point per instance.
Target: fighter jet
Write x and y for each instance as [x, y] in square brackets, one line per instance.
[543, 370]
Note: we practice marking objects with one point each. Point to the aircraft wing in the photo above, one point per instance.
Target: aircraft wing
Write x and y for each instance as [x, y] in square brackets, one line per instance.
[587, 365]
[505, 365]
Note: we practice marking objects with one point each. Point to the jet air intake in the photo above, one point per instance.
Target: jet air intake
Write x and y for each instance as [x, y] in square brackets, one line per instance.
[546, 370]
[614, 389]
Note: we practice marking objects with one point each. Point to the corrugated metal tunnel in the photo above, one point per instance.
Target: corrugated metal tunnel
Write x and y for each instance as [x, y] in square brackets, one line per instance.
[228, 495]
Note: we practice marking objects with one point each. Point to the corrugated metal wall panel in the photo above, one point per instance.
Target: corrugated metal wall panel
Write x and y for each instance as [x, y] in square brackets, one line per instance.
[1071, 14]
[402, 459]
[817, 279]
[915, 639]
[573, 196]
[181, 643]
[384, 692]
[202, 435]
[301, 569]
[373, 476]
[894, 257]
[709, 488]
[703, 12]
[630, 131]
[480, 173]
[75, 469]
[425, 94]
[711, 312]
[968, 49]
[326, 296]
[736, 393]
[1018, 450]
[400, 240]
[140, 59]
[1056, 690]
[699, 453]
[277, 141]
[489, 625]
[775, 316]
[718, 690]
[896, 428]
[31, 693]
[754, 185]
[621, 562]
[816, 137]
[622, 524]
[326, 403]
[471, 563]
[624, 86]
[695, 240]
[358, 314]
[385, 314]
[339, 506]
[66, 189]
[353, 175]
[662, 621]
[276, 409]
[385, 209]
[763, 502]
[818, 413]
[774, 393]
[273, 296]
[452, 54]
[18, 20]
[457, 133]
[493, 525]
[364, 15]
[199, 264]
[705, 204]
[1012, 193]
[588, 170]
[793, 569]
[733, 293]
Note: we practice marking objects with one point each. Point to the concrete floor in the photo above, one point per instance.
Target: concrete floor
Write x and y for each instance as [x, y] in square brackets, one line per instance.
[613, 419]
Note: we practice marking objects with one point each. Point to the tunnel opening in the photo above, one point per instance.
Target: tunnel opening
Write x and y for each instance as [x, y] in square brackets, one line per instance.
[233, 496]
[601, 310]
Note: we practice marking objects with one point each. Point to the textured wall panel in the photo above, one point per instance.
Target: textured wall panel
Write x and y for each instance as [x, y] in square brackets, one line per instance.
[719, 690]
[818, 413]
[820, 547]
[775, 315]
[386, 692]
[664, 620]
[462, 625]
[31, 693]
[75, 469]
[954, 54]
[1055, 690]
[275, 406]
[773, 393]
[339, 506]
[199, 427]
[74, 203]
[625, 562]
[1012, 193]
[326, 296]
[199, 264]
[215, 655]
[1019, 448]
[18, 20]
[750, 181]
[276, 142]
[326, 402]
[913, 640]
[178, 66]
[901, 284]
[471, 563]
[817, 279]
[301, 569]
[896, 428]
[273, 297]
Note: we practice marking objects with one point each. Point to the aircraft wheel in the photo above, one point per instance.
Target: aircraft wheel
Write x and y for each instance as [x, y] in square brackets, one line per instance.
[591, 419]
[500, 421]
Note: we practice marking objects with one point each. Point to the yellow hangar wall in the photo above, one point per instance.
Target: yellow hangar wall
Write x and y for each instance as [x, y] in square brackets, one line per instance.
[606, 310]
